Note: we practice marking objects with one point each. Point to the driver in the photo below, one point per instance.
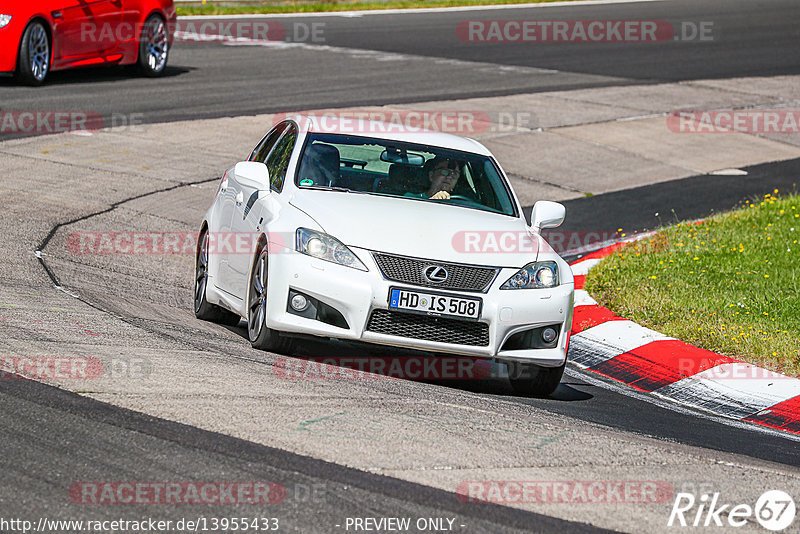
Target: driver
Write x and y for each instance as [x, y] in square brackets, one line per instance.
[443, 176]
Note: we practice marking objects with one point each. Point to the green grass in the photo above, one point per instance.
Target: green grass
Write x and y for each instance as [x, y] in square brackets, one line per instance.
[729, 284]
[332, 5]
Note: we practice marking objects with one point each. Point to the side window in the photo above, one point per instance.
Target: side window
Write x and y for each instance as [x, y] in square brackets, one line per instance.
[263, 149]
[278, 160]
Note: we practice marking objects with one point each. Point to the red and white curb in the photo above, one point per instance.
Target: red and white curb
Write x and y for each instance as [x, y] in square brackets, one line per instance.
[651, 362]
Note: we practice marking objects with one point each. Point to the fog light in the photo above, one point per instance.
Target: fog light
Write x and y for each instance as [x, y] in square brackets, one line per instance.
[299, 303]
[549, 335]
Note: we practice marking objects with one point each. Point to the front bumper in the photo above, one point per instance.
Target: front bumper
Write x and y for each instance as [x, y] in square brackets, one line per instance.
[356, 294]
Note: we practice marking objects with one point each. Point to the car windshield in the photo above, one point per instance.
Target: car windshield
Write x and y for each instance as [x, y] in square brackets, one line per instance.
[409, 171]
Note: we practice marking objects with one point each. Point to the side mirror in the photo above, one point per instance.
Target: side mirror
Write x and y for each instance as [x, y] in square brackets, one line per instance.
[252, 174]
[547, 214]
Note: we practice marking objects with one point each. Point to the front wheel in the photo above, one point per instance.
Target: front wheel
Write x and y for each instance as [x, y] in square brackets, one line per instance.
[261, 336]
[34, 54]
[153, 47]
[534, 381]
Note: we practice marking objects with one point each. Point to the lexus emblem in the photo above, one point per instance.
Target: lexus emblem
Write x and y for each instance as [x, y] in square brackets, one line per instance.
[435, 274]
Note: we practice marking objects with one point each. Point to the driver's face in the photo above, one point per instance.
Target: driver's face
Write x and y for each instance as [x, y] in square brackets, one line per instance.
[443, 178]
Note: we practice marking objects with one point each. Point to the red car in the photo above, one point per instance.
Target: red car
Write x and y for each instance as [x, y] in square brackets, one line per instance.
[46, 35]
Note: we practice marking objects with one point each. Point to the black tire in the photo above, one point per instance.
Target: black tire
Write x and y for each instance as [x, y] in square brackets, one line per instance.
[34, 54]
[203, 309]
[534, 381]
[260, 335]
[153, 47]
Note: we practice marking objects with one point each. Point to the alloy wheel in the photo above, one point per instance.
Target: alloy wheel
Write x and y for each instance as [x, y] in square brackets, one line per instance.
[201, 274]
[156, 45]
[257, 302]
[39, 52]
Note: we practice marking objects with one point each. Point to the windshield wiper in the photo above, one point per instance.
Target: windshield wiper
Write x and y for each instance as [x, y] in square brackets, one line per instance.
[330, 188]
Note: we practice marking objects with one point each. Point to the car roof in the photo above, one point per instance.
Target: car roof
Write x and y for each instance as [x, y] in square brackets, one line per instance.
[387, 130]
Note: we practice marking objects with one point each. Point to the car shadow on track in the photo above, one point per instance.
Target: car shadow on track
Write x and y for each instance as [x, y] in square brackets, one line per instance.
[97, 74]
[318, 358]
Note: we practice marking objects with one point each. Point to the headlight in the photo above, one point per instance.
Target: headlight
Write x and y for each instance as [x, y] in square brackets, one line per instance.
[325, 247]
[537, 275]
[4, 20]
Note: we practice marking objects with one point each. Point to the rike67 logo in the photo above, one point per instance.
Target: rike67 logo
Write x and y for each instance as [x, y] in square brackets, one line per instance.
[774, 510]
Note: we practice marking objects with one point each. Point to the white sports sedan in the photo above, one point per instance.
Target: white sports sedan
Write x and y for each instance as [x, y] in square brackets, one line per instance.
[408, 239]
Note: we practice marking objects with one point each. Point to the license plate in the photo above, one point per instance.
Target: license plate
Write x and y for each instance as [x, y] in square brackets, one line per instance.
[434, 304]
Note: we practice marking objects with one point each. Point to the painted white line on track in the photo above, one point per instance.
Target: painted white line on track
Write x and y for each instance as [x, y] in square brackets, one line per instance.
[641, 117]
[379, 55]
[361, 13]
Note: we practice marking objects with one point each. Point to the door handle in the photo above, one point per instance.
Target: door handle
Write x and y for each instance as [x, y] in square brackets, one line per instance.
[239, 198]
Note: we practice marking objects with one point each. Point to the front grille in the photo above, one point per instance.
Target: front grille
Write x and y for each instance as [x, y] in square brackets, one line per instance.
[429, 328]
[411, 271]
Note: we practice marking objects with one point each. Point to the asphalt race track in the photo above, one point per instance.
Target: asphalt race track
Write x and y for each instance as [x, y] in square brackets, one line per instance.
[74, 429]
[379, 59]
[208, 407]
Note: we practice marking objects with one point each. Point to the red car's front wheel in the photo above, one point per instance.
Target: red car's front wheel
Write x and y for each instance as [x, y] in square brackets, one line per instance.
[34, 54]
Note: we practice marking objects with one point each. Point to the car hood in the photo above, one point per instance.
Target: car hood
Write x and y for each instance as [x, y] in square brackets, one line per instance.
[422, 229]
